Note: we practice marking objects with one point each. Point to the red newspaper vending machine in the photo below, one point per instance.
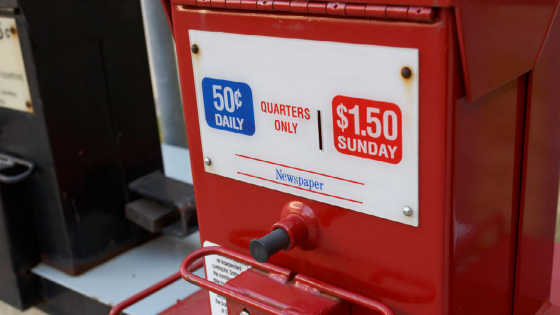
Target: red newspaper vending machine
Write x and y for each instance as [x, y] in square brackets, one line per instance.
[399, 156]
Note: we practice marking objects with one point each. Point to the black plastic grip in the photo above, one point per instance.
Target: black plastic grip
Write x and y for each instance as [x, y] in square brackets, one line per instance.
[268, 245]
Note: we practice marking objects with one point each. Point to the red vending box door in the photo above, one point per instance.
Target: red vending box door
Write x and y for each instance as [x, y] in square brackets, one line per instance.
[364, 120]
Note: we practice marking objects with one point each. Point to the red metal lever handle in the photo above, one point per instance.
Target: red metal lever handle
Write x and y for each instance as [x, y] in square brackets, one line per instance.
[272, 269]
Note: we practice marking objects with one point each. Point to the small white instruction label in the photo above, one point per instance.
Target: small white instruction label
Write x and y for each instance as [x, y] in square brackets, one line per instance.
[14, 89]
[219, 270]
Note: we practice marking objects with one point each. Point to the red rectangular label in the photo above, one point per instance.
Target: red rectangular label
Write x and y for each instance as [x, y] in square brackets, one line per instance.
[367, 129]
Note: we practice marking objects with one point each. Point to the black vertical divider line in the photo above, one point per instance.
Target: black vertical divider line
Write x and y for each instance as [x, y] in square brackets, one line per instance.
[319, 125]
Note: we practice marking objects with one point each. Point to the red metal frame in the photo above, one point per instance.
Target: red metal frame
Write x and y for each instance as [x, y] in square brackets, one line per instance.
[537, 221]
[279, 273]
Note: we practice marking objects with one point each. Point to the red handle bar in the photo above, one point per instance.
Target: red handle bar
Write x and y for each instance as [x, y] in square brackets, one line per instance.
[278, 271]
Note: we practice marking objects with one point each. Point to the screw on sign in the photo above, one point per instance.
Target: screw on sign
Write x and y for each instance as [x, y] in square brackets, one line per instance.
[367, 129]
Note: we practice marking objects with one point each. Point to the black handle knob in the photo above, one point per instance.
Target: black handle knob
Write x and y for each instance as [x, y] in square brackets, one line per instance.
[268, 245]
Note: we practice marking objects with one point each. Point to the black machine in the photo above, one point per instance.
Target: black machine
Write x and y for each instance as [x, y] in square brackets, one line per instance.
[86, 130]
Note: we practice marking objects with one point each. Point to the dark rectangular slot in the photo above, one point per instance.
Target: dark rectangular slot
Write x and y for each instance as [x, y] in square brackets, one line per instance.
[320, 130]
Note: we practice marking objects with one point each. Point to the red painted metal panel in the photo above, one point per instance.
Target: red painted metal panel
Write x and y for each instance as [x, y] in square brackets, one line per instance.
[500, 40]
[541, 180]
[399, 265]
[549, 310]
[552, 307]
[488, 151]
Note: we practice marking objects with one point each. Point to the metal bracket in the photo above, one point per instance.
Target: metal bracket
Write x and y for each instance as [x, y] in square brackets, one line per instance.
[168, 205]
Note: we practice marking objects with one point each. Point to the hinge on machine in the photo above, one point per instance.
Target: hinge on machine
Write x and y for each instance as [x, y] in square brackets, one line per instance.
[375, 11]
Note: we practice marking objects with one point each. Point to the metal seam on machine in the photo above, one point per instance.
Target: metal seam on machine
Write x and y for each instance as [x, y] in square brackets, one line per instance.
[418, 14]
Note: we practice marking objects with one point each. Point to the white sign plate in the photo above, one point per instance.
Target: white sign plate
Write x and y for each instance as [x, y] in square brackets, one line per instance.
[220, 270]
[328, 121]
[14, 90]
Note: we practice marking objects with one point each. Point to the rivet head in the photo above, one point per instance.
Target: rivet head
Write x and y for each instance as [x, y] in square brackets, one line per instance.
[406, 72]
[407, 211]
[244, 313]
[207, 161]
[194, 49]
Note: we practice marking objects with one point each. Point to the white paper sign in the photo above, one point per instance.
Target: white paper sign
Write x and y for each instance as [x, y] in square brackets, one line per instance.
[327, 121]
[14, 90]
[220, 270]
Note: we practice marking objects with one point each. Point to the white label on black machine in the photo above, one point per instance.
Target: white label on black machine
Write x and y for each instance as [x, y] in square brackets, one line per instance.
[14, 89]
